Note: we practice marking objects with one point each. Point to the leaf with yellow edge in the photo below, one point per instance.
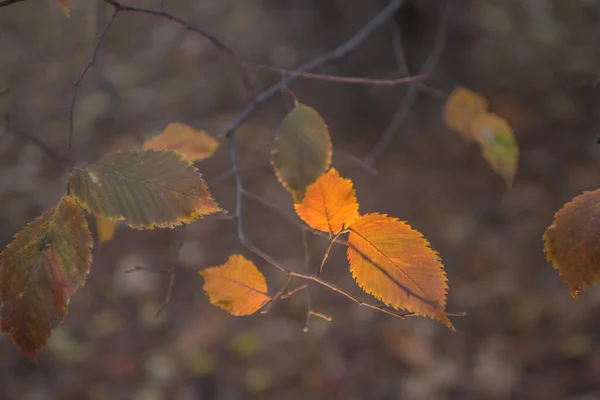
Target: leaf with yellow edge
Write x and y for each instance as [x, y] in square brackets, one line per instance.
[302, 150]
[461, 108]
[329, 204]
[64, 6]
[146, 189]
[194, 145]
[393, 262]
[105, 228]
[572, 242]
[498, 144]
[40, 270]
[237, 286]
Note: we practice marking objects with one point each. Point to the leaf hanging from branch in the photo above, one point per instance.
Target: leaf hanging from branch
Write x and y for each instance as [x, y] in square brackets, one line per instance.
[498, 145]
[393, 262]
[237, 286]
[302, 150]
[146, 189]
[329, 204]
[194, 145]
[105, 228]
[40, 270]
[572, 242]
[461, 108]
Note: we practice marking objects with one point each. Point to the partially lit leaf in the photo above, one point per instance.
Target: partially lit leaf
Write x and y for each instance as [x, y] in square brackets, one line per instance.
[39, 270]
[302, 150]
[146, 189]
[64, 6]
[572, 242]
[329, 204]
[393, 262]
[194, 145]
[236, 286]
[105, 228]
[461, 108]
[498, 145]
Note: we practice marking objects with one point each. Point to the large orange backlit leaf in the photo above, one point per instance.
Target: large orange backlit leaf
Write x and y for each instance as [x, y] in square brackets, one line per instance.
[40, 270]
[193, 144]
[572, 242]
[461, 108]
[302, 150]
[498, 145]
[146, 189]
[329, 204]
[393, 262]
[237, 286]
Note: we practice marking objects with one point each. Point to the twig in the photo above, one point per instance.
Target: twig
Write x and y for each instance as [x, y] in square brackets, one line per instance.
[202, 32]
[326, 255]
[277, 295]
[50, 152]
[293, 291]
[333, 55]
[5, 3]
[426, 69]
[170, 271]
[357, 161]
[79, 79]
[334, 78]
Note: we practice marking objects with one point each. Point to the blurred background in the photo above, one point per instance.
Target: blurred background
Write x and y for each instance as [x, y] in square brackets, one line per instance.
[537, 62]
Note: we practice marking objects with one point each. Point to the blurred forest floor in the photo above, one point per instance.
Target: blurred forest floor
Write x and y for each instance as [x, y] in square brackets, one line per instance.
[523, 338]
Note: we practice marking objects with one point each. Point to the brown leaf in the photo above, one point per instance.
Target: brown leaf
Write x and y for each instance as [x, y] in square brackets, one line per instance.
[39, 270]
[194, 145]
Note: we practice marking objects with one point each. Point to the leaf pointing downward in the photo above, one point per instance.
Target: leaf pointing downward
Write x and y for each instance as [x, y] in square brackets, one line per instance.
[329, 204]
[39, 270]
[572, 242]
[146, 189]
[236, 286]
[394, 263]
[302, 150]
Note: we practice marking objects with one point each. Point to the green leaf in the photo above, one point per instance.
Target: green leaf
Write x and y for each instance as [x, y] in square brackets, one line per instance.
[39, 270]
[302, 151]
[146, 189]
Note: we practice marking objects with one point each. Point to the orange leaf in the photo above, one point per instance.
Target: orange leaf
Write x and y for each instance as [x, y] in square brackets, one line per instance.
[393, 262]
[237, 286]
[64, 6]
[39, 270]
[105, 228]
[194, 145]
[498, 144]
[462, 106]
[329, 204]
[571, 242]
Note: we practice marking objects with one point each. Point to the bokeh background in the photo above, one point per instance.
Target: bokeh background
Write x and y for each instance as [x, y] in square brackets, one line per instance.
[536, 61]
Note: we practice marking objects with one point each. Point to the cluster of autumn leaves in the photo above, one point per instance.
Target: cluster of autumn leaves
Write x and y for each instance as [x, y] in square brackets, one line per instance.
[158, 186]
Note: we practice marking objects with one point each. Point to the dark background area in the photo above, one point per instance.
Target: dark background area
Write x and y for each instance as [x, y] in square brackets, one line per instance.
[523, 338]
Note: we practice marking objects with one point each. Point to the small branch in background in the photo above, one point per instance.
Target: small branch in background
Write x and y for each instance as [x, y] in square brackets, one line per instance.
[334, 78]
[161, 13]
[3, 91]
[333, 55]
[426, 69]
[293, 291]
[77, 83]
[277, 295]
[170, 271]
[359, 162]
[5, 3]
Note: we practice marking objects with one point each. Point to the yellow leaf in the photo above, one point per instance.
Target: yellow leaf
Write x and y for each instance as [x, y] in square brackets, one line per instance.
[194, 145]
[329, 204]
[302, 150]
[237, 286]
[105, 228]
[64, 6]
[462, 106]
[498, 144]
[393, 262]
[572, 242]
[40, 270]
[146, 189]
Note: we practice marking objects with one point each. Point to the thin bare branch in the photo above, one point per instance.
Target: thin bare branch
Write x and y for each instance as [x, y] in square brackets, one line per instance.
[337, 79]
[326, 255]
[360, 163]
[170, 271]
[292, 292]
[161, 13]
[277, 295]
[5, 3]
[50, 152]
[79, 79]
[333, 55]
